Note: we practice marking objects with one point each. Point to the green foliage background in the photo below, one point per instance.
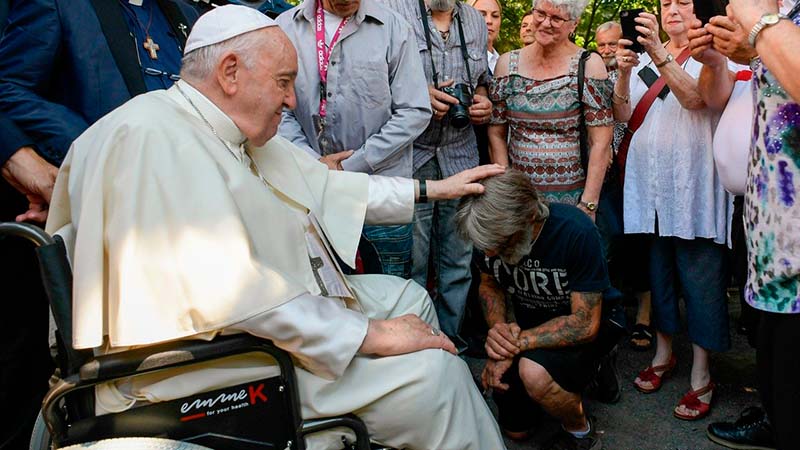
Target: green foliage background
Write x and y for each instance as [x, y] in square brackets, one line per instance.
[596, 13]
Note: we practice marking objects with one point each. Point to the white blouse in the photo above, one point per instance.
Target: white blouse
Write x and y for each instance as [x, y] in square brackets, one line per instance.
[670, 173]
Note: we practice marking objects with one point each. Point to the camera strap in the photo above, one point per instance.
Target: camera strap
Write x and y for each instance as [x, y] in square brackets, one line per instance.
[424, 16]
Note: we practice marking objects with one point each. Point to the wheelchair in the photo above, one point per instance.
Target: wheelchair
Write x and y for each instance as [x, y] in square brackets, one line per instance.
[262, 414]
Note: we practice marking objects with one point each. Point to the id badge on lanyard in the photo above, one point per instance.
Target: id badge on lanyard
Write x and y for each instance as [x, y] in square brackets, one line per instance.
[323, 58]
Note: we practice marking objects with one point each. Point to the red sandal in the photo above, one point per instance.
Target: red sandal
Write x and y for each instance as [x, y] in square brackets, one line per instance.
[650, 375]
[691, 401]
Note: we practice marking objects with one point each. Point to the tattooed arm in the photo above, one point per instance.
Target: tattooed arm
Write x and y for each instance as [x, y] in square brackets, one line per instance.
[493, 300]
[502, 339]
[577, 328]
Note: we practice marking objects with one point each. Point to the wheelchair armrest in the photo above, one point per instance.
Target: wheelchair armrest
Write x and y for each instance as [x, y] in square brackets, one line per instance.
[173, 354]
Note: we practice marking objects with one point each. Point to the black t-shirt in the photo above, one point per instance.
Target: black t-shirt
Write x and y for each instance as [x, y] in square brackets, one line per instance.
[566, 257]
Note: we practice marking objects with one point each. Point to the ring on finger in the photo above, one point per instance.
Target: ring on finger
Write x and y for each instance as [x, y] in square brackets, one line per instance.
[435, 331]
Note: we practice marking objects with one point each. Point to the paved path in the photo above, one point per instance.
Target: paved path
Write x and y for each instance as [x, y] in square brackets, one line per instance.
[645, 421]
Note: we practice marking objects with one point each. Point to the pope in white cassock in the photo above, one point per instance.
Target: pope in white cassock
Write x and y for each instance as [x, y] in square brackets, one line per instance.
[187, 217]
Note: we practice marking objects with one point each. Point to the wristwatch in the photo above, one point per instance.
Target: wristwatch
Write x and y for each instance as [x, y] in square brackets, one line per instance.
[591, 206]
[765, 21]
[666, 61]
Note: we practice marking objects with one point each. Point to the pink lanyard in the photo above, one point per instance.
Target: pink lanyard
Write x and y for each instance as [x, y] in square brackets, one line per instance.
[324, 56]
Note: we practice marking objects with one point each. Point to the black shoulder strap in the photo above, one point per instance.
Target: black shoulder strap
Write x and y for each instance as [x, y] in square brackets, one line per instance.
[123, 47]
[424, 16]
[584, 141]
[464, 54]
[177, 21]
[794, 10]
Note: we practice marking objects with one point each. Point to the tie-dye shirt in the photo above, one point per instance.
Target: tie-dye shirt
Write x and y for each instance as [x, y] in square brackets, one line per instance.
[772, 206]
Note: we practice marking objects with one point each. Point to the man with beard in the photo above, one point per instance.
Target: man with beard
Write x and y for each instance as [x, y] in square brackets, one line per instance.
[452, 39]
[623, 252]
[607, 36]
[546, 261]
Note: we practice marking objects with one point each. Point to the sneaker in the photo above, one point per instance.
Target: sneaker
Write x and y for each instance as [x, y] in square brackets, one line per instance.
[605, 386]
[751, 430]
[565, 440]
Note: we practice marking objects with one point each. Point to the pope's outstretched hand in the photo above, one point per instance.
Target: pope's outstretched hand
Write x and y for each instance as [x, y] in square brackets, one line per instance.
[462, 183]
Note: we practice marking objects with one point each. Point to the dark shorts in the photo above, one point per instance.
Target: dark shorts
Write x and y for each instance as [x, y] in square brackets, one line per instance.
[571, 368]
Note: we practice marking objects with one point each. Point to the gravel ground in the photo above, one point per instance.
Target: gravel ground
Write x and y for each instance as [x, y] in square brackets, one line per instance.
[644, 421]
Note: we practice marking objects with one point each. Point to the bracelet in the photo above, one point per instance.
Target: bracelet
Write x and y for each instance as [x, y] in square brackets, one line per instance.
[423, 192]
[624, 99]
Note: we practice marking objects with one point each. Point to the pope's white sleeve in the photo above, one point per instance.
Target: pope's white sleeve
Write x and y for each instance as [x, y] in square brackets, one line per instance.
[391, 201]
[319, 332]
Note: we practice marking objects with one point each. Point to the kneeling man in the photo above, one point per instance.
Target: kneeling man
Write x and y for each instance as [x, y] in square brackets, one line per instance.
[545, 261]
[189, 218]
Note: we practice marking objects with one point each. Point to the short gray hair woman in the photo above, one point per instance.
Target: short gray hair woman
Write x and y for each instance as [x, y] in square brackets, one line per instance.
[538, 116]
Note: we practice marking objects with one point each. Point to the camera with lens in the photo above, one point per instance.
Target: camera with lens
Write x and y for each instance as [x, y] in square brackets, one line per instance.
[458, 113]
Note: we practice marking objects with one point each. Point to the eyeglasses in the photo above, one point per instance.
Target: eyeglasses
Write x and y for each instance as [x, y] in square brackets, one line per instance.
[160, 73]
[555, 21]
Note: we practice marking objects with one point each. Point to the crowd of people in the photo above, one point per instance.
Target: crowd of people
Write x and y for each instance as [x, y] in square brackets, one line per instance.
[241, 166]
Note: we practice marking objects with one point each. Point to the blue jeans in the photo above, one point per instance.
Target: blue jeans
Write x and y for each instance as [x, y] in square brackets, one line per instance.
[699, 267]
[393, 244]
[436, 241]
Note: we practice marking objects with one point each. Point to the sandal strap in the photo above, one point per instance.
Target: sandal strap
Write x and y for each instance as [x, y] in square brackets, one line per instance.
[703, 390]
[649, 375]
[665, 367]
[692, 398]
[641, 329]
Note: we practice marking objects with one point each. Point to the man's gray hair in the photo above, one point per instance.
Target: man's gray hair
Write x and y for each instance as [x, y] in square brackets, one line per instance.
[199, 64]
[503, 214]
[573, 8]
[607, 26]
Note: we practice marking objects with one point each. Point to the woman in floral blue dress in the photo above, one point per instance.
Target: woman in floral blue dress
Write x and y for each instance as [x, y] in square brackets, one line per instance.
[772, 210]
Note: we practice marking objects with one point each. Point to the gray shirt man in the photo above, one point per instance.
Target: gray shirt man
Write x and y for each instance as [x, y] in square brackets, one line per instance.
[378, 100]
[454, 149]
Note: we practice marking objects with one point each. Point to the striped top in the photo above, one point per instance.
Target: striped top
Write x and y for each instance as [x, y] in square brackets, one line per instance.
[543, 117]
[454, 149]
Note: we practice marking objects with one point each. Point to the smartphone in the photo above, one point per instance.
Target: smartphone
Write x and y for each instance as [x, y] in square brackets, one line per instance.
[629, 27]
[706, 9]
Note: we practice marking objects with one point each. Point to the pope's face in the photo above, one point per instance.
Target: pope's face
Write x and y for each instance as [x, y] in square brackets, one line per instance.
[268, 88]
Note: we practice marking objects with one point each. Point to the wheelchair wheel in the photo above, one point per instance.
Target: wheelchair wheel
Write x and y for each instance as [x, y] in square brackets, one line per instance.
[40, 440]
[40, 437]
[136, 444]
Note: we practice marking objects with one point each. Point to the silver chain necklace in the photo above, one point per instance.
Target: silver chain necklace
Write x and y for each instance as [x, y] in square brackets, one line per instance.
[238, 156]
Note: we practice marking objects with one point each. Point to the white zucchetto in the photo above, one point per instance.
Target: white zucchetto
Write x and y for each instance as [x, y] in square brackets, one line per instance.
[223, 23]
